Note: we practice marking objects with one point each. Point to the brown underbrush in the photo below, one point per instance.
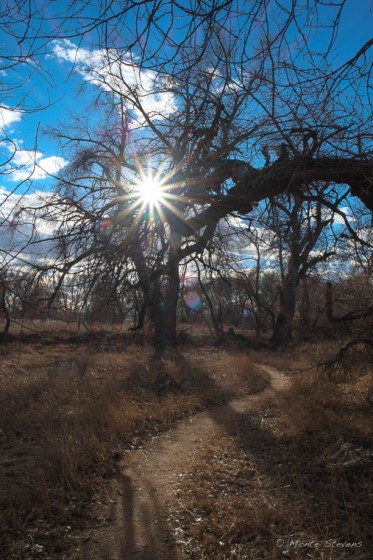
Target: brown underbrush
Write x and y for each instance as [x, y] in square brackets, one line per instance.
[293, 479]
[68, 414]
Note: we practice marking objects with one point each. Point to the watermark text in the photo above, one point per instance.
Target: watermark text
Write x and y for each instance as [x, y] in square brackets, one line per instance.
[328, 543]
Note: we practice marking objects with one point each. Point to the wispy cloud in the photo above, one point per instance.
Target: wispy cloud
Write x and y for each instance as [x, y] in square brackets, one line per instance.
[112, 71]
[8, 116]
[32, 164]
[24, 236]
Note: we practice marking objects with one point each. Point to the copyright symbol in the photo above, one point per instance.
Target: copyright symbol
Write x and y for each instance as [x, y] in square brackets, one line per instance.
[280, 543]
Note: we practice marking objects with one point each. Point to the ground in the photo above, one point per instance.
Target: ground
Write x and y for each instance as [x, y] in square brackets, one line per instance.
[244, 458]
[149, 478]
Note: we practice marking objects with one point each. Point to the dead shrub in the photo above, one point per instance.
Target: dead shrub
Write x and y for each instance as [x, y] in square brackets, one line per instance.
[63, 412]
[353, 359]
[308, 403]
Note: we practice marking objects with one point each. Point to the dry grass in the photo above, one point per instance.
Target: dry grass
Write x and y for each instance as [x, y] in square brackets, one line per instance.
[231, 372]
[293, 480]
[293, 473]
[67, 415]
[299, 357]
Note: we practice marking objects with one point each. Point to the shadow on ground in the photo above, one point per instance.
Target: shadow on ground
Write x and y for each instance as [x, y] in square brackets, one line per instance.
[138, 528]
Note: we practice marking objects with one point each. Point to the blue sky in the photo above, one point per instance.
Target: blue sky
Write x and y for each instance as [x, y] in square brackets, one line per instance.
[56, 84]
[56, 87]
[356, 28]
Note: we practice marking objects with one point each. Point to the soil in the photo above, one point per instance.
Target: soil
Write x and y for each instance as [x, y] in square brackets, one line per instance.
[134, 510]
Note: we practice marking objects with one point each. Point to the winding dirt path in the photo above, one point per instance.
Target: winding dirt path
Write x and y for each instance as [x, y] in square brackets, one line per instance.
[137, 501]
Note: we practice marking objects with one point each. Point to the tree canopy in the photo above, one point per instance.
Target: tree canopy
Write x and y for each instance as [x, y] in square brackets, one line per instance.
[219, 105]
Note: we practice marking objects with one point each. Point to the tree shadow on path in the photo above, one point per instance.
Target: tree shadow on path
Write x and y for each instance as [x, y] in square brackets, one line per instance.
[137, 519]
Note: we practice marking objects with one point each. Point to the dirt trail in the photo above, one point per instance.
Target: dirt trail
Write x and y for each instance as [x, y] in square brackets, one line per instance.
[137, 502]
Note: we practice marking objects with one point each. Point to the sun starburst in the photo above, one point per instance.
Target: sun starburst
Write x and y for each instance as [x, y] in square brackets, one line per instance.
[150, 191]
[157, 195]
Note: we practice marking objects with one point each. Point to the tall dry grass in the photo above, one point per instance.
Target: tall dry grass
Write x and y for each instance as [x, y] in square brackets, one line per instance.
[68, 413]
[290, 480]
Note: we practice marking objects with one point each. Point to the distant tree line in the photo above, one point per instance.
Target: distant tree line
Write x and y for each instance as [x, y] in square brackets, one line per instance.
[240, 118]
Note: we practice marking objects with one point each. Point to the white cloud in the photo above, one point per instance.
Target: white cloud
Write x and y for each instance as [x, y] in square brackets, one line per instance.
[24, 238]
[31, 164]
[327, 213]
[111, 71]
[12, 201]
[65, 50]
[48, 166]
[9, 116]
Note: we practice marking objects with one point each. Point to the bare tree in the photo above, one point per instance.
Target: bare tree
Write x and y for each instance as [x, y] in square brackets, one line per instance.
[200, 112]
[302, 242]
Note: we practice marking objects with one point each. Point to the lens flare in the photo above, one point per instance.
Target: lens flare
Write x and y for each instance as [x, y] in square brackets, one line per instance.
[105, 226]
[150, 191]
[193, 300]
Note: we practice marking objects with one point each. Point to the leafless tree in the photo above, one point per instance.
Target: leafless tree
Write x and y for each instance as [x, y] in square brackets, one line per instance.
[203, 107]
[301, 235]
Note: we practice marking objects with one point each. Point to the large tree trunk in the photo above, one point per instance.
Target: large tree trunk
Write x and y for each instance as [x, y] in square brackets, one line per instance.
[164, 306]
[163, 317]
[282, 331]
